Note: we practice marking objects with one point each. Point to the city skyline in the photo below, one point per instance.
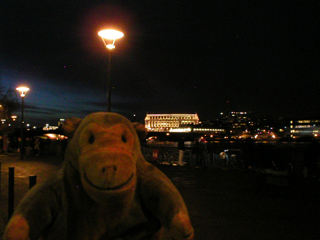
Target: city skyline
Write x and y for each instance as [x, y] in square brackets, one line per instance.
[207, 58]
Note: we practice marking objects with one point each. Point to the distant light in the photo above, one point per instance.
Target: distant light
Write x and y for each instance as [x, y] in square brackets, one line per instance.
[47, 127]
[51, 135]
[180, 130]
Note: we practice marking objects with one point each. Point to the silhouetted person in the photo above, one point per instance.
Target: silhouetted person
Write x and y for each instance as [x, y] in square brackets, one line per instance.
[37, 147]
[181, 148]
[249, 153]
[203, 153]
[196, 151]
[311, 158]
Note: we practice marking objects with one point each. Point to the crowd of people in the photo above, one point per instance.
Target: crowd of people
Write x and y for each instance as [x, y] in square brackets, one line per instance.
[33, 146]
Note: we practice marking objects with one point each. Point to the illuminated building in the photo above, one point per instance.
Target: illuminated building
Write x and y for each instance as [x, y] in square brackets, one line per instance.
[208, 129]
[304, 128]
[178, 123]
[240, 117]
[170, 122]
[238, 123]
[47, 127]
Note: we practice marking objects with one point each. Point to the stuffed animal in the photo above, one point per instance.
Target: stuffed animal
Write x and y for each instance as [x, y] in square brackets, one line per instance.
[105, 190]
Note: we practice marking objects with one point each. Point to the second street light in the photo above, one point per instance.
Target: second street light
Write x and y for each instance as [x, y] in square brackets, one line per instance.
[23, 91]
[109, 37]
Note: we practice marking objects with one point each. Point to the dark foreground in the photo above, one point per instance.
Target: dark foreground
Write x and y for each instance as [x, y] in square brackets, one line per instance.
[223, 204]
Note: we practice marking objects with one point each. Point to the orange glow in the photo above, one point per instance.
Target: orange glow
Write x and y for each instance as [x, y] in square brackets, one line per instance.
[23, 91]
[109, 37]
[110, 46]
[51, 135]
[110, 34]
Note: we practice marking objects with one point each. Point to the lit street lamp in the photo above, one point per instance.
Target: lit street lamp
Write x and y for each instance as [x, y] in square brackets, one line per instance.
[109, 37]
[23, 91]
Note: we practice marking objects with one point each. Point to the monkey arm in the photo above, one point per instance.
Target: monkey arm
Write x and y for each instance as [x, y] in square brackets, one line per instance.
[34, 214]
[162, 198]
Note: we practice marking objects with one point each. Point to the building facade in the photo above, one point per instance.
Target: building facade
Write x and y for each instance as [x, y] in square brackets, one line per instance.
[179, 123]
[305, 128]
[170, 122]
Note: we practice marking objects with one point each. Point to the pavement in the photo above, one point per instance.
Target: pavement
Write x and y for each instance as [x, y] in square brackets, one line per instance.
[222, 204]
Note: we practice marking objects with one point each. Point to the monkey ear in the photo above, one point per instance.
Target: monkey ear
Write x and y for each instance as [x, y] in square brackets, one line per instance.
[141, 130]
[71, 125]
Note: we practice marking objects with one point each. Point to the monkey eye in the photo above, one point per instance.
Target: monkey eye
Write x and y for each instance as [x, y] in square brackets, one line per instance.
[124, 139]
[91, 139]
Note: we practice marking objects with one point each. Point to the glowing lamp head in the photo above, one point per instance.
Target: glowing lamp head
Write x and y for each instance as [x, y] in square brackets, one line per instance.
[110, 46]
[110, 34]
[109, 37]
[23, 91]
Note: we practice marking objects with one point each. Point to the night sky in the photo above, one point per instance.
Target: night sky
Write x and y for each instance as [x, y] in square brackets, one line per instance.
[175, 57]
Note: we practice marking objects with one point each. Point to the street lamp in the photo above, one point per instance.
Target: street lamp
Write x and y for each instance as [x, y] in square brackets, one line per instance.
[23, 91]
[109, 37]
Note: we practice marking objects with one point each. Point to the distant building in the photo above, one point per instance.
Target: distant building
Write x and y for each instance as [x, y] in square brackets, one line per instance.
[170, 122]
[179, 123]
[305, 128]
[238, 123]
[239, 117]
[47, 127]
[208, 129]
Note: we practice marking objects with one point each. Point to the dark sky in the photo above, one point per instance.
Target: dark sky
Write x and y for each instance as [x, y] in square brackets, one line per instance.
[175, 57]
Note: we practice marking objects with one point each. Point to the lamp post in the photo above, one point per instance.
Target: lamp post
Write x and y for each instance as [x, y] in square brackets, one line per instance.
[23, 91]
[109, 37]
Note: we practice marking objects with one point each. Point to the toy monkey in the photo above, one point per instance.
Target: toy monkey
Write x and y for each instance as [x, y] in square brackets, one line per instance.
[104, 190]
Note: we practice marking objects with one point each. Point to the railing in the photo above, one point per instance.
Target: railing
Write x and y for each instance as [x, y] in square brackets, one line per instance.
[11, 184]
[254, 156]
[170, 155]
[161, 154]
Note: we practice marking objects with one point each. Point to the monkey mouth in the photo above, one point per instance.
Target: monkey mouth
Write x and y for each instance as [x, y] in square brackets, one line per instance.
[118, 187]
